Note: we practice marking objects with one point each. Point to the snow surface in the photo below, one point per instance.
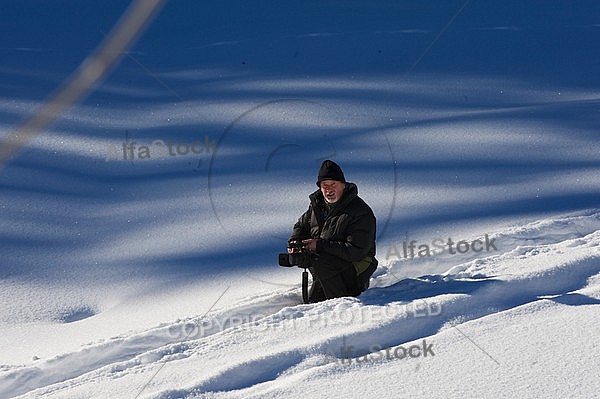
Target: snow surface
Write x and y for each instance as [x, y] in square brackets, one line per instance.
[157, 278]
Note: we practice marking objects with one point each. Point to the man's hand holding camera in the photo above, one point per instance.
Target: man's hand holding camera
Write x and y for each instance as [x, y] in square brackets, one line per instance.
[310, 244]
[297, 246]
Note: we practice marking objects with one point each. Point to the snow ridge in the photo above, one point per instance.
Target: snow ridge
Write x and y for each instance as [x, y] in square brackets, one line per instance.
[276, 340]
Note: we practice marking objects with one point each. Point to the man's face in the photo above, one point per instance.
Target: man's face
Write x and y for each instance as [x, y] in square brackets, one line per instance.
[332, 190]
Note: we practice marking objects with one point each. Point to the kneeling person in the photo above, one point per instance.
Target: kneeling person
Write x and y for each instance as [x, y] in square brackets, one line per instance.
[339, 229]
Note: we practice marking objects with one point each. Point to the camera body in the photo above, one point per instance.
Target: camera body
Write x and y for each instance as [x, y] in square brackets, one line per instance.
[297, 257]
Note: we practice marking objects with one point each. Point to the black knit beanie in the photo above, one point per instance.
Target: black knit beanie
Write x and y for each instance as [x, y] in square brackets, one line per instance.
[330, 171]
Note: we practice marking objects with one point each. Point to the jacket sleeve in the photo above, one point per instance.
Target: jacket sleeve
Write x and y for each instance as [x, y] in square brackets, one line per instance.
[358, 240]
[301, 229]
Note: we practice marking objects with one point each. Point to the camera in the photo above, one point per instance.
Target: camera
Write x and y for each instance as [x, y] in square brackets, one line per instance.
[298, 257]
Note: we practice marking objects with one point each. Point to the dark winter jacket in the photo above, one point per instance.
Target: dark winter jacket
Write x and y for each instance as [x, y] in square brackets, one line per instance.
[346, 230]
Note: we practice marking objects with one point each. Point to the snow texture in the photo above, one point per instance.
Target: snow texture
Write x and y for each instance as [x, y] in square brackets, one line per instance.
[155, 276]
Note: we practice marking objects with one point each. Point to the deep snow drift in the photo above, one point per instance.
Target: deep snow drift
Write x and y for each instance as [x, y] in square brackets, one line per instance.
[155, 276]
[520, 320]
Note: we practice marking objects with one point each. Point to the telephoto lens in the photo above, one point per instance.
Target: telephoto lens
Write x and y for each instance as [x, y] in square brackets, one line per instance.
[284, 260]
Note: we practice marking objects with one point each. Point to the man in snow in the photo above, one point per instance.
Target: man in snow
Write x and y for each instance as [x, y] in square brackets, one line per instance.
[339, 230]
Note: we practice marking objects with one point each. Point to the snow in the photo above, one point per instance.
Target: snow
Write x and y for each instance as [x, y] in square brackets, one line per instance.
[157, 278]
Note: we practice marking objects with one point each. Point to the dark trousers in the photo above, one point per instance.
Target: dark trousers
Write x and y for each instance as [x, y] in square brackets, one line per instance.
[330, 282]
